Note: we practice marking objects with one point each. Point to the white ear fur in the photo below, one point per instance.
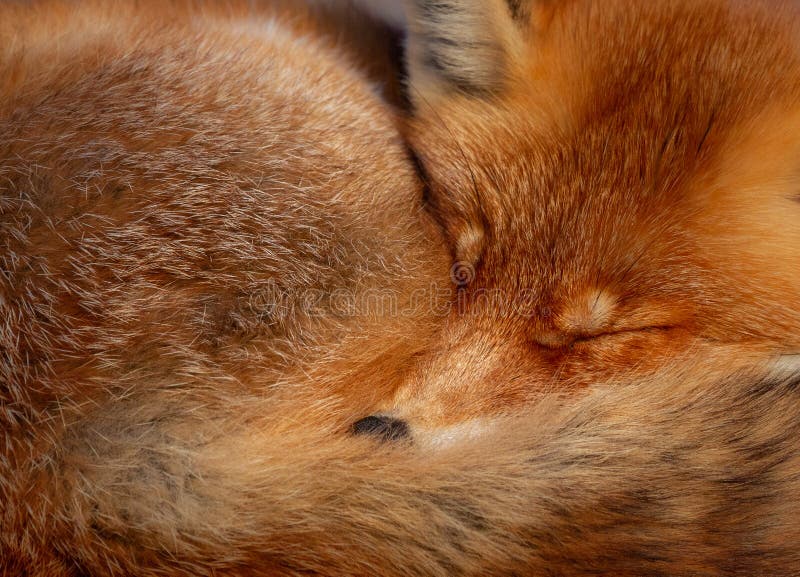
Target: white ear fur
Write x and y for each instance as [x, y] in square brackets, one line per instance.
[468, 46]
[786, 366]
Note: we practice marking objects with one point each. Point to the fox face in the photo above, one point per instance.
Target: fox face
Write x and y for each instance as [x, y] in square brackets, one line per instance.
[618, 184]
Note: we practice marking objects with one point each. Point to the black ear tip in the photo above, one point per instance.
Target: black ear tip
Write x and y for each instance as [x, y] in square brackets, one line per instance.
[382, 427]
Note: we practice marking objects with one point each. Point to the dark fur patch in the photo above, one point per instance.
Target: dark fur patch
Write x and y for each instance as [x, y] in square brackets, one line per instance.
[384, 428]
[449, 72]
[520, 9]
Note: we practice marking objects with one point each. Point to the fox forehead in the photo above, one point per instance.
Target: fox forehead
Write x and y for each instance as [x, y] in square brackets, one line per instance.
[623, 65]
[617, 127]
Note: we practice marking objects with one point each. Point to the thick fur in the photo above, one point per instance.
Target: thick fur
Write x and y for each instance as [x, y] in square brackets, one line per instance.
[174, 185]
[198, 204]
[620, 190]
[693, 476]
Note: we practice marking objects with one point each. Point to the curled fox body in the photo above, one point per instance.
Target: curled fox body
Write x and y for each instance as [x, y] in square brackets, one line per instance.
[176, 184]
[186, 189]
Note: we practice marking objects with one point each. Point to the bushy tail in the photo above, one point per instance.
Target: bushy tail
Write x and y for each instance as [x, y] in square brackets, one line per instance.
[683, 477]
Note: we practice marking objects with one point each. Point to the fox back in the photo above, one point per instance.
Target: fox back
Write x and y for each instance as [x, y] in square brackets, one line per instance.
[201, 207]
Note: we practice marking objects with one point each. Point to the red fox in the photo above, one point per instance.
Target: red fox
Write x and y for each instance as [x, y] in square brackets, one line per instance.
[620, 182]
[192, 195]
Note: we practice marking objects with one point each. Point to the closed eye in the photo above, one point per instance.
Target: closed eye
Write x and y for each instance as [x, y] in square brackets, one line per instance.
[561, 340]
[622, 333]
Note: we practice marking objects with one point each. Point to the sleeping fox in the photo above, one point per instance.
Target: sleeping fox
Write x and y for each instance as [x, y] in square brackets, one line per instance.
[194, 195]
[619, 185]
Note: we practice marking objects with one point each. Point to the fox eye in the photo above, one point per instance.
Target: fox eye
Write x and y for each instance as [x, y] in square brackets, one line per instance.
[566, 340]
[610, 336]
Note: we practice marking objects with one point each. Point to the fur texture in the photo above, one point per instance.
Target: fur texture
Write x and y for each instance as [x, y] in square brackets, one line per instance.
[175, 184]
[618, 184]
[196, 204]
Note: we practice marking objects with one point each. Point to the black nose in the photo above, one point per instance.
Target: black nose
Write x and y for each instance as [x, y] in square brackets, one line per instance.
[384, 428]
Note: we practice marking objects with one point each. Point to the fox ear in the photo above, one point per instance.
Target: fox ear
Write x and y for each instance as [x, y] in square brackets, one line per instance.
[467, 46]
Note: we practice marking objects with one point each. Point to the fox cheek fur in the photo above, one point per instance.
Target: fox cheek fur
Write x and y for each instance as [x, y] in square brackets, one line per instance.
[621, 182]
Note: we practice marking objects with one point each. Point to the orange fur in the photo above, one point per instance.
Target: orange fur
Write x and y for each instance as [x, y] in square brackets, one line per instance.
[624, 184]
[185, 190]
[176, 182]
